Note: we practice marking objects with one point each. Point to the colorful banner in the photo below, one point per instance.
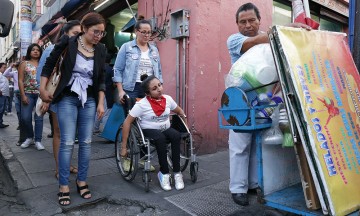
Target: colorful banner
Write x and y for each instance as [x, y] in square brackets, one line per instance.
[326, 82]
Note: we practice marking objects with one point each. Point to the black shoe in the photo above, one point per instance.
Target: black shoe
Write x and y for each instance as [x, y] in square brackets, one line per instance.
[3, 125]
[259, 194]
[241, 199]
[50, 135]
[254, 190]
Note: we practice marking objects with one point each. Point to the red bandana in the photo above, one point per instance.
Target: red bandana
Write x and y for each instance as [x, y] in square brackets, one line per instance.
[158, 106]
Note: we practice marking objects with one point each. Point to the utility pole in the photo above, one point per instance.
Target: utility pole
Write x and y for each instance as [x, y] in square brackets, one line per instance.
[354, 31]
[25, 41]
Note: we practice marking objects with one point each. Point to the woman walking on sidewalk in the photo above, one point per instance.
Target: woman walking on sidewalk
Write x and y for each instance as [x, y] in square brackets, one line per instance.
[71, 28]
[29, 94]
[80, 93]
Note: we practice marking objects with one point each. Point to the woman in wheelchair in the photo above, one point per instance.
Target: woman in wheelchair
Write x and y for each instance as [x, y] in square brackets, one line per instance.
[154, 112]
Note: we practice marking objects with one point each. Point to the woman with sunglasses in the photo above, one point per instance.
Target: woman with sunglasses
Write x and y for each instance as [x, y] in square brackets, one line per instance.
[134, 59]
[79, 95]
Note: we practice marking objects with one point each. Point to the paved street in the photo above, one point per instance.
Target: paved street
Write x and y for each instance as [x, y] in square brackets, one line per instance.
[33, 172]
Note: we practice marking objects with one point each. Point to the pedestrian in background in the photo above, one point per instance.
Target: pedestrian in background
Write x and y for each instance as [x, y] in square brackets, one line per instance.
[80, 93]
[29, 94]
[10, 98]
[134, 59]
[4, 92]
[109, 95]
[71, 28]
[12, 73]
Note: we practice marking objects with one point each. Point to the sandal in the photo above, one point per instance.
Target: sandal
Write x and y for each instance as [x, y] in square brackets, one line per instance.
[62, 200]
[73, 170]
[80, 188]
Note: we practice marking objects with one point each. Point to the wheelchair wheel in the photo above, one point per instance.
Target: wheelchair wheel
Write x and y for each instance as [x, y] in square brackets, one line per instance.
[146, 179]
[194, 167]
[184, 154]
[127, 165]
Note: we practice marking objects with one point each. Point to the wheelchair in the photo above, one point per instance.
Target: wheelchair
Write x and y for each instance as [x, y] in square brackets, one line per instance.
[128, 166]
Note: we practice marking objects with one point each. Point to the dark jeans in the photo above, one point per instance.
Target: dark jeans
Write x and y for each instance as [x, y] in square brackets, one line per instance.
[10, 100]
[2, 107]
[160, 140]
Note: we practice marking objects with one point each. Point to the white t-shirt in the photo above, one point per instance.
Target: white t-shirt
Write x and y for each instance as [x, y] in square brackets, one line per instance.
[145, 66]
[148, 119]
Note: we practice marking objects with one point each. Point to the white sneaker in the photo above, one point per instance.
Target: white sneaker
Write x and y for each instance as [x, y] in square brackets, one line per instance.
[164, 181]
[39, 146]
[27, 143]
[179, 182]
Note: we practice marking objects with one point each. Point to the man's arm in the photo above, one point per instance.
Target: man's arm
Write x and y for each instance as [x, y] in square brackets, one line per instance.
[8, 73]
[252, 41]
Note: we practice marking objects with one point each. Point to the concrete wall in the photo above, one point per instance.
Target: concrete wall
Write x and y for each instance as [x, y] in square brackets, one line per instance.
[208, 61]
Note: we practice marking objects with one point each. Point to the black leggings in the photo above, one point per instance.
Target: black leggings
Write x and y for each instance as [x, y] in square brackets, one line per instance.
[160, 140]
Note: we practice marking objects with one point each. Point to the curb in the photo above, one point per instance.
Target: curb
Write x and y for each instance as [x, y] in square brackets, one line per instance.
[13, 166]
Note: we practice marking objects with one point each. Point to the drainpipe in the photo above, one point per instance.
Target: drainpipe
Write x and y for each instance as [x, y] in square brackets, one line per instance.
[183, 93]
[177, 73]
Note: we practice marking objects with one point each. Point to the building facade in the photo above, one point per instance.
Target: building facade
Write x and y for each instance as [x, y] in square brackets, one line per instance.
[191, 37]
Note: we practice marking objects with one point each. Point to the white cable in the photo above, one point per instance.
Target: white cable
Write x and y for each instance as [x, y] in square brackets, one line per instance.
[132, 12]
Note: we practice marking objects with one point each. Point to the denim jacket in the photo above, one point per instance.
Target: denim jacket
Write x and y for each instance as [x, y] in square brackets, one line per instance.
[45, 54]
[127, 63]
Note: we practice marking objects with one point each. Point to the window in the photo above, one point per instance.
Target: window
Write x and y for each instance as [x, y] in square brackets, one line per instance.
[282, 13]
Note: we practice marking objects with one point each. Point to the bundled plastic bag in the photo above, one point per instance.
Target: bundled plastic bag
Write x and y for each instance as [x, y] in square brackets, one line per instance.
[252, 73]
[273, 135]
[255, 68]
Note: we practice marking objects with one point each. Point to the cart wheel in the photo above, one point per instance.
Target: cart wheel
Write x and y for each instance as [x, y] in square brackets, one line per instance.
[194, 167]
[146, 179]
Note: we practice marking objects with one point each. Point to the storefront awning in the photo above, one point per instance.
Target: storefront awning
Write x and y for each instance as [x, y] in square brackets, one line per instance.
[129, 27]
[50, 13]
[60, 8]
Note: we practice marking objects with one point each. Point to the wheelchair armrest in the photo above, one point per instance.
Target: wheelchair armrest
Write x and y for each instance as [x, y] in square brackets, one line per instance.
[129, 103]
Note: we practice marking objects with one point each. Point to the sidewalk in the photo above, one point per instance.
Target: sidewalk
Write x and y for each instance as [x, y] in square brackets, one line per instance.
[33, 172]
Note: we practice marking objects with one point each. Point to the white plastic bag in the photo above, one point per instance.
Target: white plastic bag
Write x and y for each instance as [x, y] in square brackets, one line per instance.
[273, 135]
[38, 106]
[252, 73]
[253, 69]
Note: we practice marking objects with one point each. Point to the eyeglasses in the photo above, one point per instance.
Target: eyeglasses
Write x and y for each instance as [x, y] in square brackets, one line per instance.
[99, 33]
[145, 33]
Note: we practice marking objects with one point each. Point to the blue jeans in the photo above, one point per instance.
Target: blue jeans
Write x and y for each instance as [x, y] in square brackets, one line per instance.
[71, 116]
[2, 107]
[26, 118]
[17, 105]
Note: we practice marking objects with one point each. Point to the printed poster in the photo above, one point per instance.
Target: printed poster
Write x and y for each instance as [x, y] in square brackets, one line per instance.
[326, 82]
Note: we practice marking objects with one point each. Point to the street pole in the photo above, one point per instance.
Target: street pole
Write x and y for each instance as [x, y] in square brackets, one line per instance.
[356, 42]
[25, 41]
